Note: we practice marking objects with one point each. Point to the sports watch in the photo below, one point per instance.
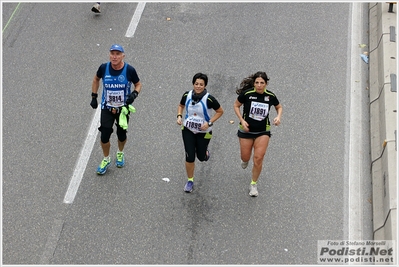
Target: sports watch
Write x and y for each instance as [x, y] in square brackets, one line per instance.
[210, 123]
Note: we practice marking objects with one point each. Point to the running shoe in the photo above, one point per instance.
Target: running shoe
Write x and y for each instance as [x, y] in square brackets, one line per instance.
[103, 166]
[120, 159]
[253, 191]
[96, 8]
[208, 155]
[189, 186]
[244, 164]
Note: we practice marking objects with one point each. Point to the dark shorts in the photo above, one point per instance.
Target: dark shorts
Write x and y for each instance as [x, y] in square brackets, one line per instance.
[195, 144]
[106, 128]
[252, 135]
[107, 118]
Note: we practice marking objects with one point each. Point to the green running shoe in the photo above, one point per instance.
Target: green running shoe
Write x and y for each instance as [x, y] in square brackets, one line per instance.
[120, 159]
[103, 166]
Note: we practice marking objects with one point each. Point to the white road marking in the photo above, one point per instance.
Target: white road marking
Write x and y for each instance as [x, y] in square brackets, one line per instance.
[84, 156]
[52, 240]
[135, 19]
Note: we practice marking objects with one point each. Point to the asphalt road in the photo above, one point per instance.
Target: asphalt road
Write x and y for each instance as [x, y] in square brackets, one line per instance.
[51, 52]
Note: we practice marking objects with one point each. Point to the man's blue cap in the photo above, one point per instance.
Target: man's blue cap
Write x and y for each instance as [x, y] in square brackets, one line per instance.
[117, 48]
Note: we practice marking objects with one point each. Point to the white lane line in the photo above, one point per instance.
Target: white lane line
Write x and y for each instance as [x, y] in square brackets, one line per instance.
[135, 19]
[84, 156]
[83, 159]
[52, 241]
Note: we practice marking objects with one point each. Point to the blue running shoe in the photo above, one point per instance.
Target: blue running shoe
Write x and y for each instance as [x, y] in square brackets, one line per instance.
[120, 159]
[103, 166]
[189, 186]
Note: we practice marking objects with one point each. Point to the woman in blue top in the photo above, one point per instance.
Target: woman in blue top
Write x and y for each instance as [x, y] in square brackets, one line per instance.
[197, 124]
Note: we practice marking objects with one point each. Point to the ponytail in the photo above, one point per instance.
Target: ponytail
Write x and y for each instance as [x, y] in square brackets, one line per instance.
[248, 83]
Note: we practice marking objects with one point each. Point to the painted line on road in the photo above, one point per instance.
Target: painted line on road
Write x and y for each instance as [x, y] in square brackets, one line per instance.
[52, 241]
[12, 15]
[83, 159]
[85, 153]
[135, 19]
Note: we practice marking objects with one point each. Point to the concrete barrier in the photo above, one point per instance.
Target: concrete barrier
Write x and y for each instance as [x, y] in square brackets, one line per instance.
[383, 117]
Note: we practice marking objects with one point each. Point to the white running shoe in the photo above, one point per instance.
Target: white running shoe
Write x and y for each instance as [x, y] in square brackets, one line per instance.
[96, 8]
[244, 164]
[253, 191]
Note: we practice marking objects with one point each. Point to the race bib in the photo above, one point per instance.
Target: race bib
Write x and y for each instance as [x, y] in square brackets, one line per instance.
[115, 98]
[258, 111]
[194, 123]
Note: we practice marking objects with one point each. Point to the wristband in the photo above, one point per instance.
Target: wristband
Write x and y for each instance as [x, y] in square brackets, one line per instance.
[94, 94]
[179, 115]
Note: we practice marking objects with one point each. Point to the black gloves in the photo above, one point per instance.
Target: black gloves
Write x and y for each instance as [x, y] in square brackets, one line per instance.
[94, 103]
[131, 97]
[129, 100]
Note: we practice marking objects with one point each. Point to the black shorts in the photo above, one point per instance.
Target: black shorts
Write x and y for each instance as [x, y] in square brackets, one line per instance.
[195, 144]
[107, 118]
[252, 135]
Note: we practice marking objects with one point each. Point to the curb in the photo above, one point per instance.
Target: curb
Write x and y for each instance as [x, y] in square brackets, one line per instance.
[383, 117]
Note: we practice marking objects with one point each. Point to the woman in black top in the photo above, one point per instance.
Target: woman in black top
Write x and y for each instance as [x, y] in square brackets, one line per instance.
[254, 127]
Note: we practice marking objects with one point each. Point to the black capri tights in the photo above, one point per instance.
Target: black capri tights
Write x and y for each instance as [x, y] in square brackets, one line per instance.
[195, 144]
[107, 120]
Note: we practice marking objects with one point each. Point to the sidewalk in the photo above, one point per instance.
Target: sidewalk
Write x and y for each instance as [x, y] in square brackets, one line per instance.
[383, 117]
